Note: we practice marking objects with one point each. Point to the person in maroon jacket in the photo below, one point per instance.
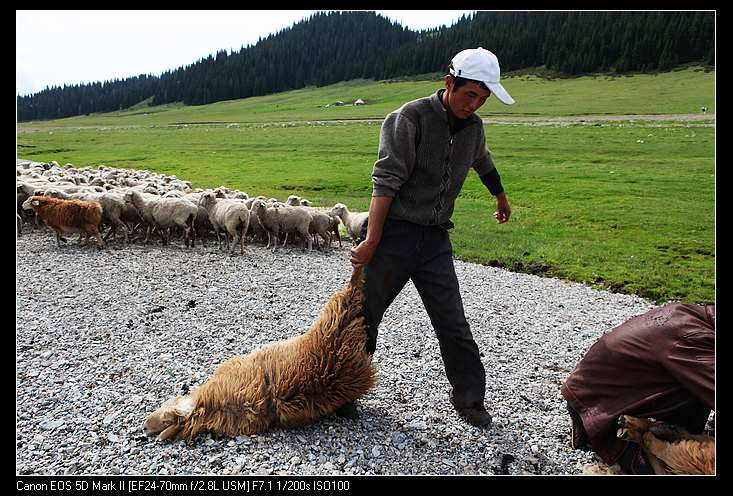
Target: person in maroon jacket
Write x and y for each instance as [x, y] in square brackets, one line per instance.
[657, 365]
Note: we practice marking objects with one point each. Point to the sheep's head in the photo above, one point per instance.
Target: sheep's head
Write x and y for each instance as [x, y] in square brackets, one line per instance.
[31, 202]
[54, 193]
[257, 206]
[207, 198]
[339, 209]
[167, 420]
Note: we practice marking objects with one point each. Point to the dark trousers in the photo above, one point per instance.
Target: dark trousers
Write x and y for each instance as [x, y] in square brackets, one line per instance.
[425, 255]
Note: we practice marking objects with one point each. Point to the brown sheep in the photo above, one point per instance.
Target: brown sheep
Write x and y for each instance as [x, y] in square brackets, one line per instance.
[668, 448]
[67, 216]
[289, 383]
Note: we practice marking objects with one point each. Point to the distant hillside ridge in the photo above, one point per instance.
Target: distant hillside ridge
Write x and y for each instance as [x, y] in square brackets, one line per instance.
[331, 47]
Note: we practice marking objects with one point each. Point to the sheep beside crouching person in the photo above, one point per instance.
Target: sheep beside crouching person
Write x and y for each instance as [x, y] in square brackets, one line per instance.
[67, 216]
[289, 383]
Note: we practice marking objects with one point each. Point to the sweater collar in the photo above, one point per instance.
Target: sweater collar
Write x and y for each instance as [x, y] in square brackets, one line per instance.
[436, 101]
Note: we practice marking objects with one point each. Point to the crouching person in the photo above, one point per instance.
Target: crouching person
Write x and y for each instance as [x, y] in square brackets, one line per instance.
[657, 365]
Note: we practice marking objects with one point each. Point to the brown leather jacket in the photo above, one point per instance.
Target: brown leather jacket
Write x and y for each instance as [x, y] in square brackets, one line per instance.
[660, 365]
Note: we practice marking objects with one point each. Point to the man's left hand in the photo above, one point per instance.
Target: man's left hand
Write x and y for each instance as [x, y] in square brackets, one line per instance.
[503, 210]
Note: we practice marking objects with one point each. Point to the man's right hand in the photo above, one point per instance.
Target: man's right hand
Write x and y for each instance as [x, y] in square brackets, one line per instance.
[362, 253]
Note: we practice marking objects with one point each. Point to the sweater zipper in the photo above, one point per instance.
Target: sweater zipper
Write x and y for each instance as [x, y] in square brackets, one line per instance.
[444, 180]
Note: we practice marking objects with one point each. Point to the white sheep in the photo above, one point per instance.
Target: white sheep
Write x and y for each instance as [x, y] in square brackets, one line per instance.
[230, 215]
[282, 219]
[320, 225]
[165, 213]
[355, 222]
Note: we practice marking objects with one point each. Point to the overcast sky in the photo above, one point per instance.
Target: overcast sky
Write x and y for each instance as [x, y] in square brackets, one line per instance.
[83, 46]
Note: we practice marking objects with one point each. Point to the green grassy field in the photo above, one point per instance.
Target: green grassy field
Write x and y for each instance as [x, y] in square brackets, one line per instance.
[676, 92]
[623, 206]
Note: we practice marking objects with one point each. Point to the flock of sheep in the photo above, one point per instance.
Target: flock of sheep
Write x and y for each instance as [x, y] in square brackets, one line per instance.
[138, 202]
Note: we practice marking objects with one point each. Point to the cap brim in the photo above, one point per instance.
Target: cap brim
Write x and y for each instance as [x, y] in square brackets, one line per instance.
[500, 93]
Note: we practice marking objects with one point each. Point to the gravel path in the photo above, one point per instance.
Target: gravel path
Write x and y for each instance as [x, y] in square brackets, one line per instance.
[103, 337]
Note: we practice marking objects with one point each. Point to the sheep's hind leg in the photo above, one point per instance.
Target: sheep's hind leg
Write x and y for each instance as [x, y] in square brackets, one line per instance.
[191, 233]
[59, 239]
[95, 232]
[275, 233]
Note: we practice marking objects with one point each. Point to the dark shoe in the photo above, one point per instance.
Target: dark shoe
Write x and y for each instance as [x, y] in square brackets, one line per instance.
[348, 411]
[477, 416]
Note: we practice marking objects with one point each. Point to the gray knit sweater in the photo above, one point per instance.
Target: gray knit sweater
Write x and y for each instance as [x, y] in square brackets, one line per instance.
[422, 165]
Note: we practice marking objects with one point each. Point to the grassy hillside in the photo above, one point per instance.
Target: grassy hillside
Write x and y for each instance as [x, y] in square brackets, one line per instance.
[624, 206]
[678, 92]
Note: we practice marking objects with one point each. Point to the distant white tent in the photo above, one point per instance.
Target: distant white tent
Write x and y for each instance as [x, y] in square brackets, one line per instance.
[360, 102]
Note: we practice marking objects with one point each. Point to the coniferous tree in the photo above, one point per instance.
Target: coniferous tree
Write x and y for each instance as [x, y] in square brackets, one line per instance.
[327, 48]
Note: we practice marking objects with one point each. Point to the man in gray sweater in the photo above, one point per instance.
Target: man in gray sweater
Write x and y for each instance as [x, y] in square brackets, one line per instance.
[426, 148]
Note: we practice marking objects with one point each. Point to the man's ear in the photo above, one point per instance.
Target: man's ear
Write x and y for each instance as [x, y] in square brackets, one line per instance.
[448, 80]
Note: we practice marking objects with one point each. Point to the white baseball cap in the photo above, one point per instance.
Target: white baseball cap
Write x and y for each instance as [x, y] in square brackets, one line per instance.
[481, 65]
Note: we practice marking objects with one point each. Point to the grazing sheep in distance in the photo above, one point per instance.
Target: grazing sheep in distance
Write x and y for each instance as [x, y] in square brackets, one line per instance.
[355, 222]
[289, 383]
[67, 216]
[229, 215]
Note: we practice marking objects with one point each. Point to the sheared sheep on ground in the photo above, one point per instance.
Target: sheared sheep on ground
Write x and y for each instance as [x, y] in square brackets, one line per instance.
[289, 383]
[67, 216]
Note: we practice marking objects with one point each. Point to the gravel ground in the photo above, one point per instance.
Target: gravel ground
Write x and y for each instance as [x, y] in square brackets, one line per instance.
[103, 337]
